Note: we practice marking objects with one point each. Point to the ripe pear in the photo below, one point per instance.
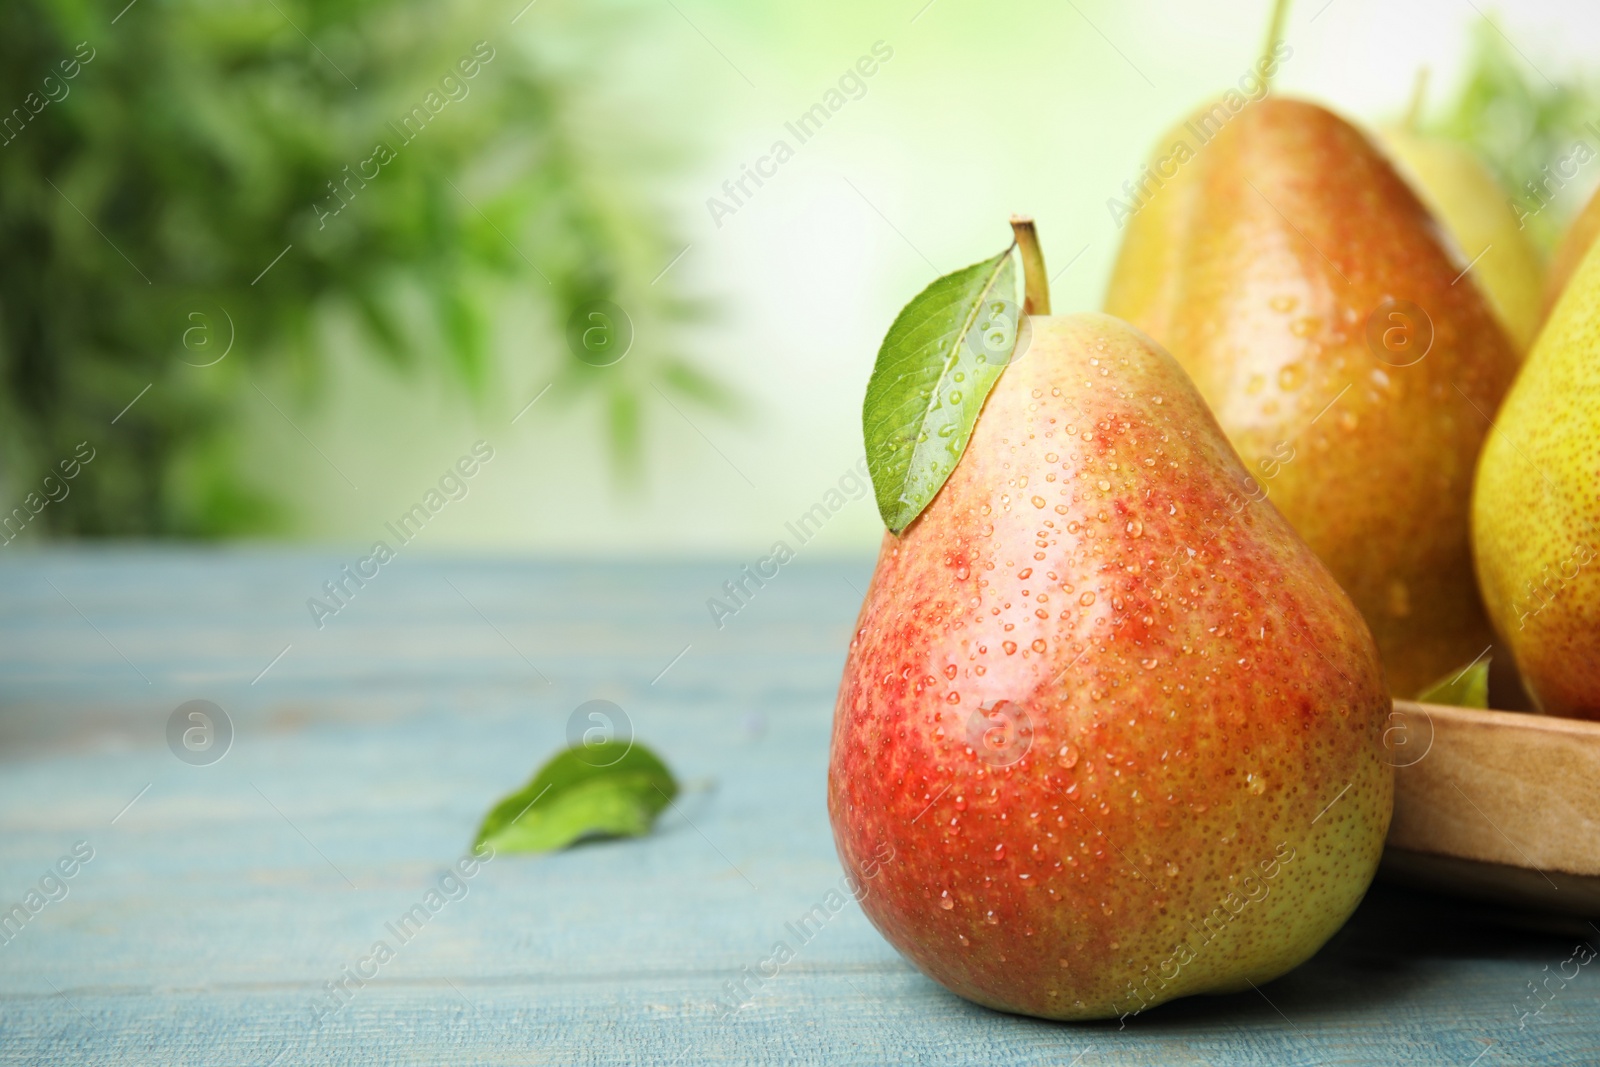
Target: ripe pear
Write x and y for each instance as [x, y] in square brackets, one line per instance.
[1571, 251]
[1109, 733]
[1476, 214]
[1303, 286]
[1536, 508]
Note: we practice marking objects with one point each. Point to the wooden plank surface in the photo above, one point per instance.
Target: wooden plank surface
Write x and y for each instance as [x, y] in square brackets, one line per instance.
[219, 905]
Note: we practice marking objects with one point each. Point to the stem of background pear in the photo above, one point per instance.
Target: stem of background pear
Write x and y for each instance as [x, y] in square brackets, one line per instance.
[1035, 282]
[1280, 11]
[1419, 91]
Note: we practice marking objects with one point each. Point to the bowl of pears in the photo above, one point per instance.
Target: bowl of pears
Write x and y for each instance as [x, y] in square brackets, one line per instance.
[1278, 572]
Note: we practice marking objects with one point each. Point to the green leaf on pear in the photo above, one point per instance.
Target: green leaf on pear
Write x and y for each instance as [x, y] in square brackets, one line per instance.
[612, 789]
[1466, 688]
[940, 359]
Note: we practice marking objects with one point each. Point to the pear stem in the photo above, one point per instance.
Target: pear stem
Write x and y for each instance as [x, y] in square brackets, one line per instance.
[1419, 91]
[1035, 282]
[1280, 12]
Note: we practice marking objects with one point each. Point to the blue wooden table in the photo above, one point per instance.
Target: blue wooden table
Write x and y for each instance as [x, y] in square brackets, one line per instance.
[228, 911]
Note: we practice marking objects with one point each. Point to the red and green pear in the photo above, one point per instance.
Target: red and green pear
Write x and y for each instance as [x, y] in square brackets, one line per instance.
[1109, 733]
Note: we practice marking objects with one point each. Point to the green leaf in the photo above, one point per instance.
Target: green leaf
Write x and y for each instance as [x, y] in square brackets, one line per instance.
[688, 381]
[1467, 688]
[392, 341]
[612, 789]
[622, 423]
[937, 364]
[465, 334]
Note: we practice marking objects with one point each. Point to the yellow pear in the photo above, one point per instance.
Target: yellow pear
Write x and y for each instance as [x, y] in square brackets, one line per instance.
[1476, 214]
[1536, 508]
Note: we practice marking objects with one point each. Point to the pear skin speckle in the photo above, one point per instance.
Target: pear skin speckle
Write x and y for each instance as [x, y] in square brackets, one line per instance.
[1536, 508]
[1351, 360]
[1165, 772]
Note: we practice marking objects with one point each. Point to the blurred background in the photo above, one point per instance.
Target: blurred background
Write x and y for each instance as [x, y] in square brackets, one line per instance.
[277, 265]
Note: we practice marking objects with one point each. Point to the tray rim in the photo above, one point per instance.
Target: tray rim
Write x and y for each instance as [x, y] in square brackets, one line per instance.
[1515, 720]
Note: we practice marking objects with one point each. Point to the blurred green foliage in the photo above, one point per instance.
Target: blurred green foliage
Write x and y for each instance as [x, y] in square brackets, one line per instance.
[142, 198]
[1520, 122]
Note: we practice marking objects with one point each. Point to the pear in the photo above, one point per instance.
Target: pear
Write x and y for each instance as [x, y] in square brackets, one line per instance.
[1536, 510]
[1477, 217]
[1108, 733]
[1476, 214]
[1571, 251]
[1301, 283]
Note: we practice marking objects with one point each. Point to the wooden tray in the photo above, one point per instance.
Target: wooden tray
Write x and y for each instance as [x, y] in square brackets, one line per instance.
[1497, 806]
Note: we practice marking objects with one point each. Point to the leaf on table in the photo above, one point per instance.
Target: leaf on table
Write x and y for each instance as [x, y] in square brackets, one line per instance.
[611, 789]
[934, 370]
[1466, 688]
